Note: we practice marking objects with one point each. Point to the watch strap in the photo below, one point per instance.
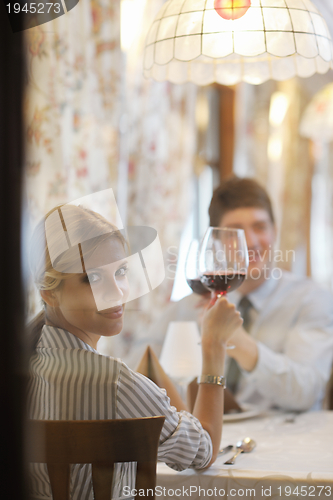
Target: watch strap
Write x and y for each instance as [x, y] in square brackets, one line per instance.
[211, 379]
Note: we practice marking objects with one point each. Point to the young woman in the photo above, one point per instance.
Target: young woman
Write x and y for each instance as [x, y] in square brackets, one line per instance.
[79, 261]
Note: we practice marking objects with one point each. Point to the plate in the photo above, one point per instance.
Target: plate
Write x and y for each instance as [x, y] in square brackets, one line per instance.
[248, 411]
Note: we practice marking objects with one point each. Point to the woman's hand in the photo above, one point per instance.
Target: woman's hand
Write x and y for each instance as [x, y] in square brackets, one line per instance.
[220, 322]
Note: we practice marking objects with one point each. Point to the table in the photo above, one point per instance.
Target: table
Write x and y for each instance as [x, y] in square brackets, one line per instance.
[292, 459]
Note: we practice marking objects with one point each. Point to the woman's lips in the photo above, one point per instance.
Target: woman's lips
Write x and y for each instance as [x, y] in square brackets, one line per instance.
[114, 313]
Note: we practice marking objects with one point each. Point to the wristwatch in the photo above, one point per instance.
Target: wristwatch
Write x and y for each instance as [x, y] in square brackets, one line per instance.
[211, 379]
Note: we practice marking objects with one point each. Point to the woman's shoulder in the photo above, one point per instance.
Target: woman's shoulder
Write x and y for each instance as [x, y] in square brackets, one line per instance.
[63, 346]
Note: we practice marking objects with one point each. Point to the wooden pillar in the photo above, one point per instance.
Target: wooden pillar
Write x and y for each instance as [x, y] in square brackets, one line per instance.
[227, 131]
[12, 365]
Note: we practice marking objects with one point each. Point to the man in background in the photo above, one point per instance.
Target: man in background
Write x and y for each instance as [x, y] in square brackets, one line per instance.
[283, 352]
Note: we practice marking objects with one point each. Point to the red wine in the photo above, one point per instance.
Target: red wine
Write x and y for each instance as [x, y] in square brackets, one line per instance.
[226, 282]
[197, 286]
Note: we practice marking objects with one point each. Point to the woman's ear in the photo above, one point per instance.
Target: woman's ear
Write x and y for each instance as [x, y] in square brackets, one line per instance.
[49, 297]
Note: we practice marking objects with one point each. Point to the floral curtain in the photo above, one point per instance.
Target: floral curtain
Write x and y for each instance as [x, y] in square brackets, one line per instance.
[161, 146]
[160, 194]
[72, 108]
[89, 114]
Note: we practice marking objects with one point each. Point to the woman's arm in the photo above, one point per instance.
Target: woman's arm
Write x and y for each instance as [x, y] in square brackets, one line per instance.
[219, 323]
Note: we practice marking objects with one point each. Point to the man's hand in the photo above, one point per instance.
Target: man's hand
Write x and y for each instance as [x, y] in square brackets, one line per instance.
[203, 301]
[202, 305]
[245, 351]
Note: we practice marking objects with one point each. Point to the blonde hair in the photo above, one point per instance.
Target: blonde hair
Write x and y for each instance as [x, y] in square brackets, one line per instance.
[83, 225]
[51, 260]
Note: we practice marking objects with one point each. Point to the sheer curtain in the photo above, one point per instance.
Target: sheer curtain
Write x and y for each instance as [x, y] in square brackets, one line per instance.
[322, 214]
[270, 148]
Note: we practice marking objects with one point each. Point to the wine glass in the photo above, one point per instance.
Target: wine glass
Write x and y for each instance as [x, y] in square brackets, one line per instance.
[223, 260]
[192, 273]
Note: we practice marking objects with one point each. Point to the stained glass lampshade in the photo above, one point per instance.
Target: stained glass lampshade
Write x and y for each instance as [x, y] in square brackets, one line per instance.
[228, 41]
[317, 120]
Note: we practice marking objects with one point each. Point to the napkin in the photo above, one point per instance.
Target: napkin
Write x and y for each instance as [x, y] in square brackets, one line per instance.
[150, 366]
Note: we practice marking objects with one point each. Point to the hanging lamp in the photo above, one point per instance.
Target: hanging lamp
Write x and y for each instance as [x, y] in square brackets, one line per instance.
[228, 41]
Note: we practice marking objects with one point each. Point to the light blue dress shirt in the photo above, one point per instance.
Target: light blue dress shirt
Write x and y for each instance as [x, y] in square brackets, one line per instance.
[292, 322]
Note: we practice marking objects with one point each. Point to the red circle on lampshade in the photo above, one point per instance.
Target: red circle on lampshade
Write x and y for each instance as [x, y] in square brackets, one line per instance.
[231, 9]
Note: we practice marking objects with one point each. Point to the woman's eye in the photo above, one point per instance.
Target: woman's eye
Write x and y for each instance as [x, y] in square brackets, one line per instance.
[94, 277]
[122, 271]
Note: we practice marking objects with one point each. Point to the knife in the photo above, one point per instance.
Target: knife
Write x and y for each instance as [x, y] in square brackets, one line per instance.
[226, 449]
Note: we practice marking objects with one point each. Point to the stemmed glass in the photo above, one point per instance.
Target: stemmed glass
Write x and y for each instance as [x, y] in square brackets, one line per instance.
[223, 260]
[192, 273]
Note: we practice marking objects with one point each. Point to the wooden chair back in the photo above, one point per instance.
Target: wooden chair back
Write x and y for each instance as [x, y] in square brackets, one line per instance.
[100, 443]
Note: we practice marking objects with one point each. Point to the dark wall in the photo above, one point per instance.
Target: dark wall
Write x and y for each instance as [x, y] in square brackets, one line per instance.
[12, 358]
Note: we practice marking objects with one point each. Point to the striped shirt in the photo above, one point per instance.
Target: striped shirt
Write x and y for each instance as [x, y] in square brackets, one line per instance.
[69, 380]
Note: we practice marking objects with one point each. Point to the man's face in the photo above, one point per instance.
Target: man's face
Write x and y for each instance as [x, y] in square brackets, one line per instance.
[260, 236]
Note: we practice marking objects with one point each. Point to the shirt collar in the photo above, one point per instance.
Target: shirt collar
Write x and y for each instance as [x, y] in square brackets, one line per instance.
[57, 338]
[259, 296]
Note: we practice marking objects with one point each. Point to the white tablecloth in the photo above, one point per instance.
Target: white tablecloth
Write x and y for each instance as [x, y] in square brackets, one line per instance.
[291, 460]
